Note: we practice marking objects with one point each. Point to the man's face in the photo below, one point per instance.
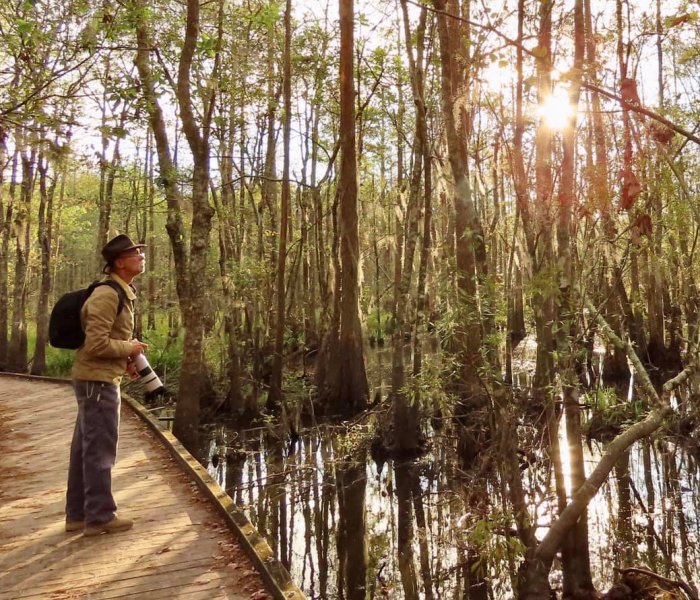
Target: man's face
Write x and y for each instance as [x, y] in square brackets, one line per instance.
[133, 262]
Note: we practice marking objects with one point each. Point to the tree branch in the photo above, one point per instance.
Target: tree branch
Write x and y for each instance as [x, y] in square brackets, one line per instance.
[548, 547]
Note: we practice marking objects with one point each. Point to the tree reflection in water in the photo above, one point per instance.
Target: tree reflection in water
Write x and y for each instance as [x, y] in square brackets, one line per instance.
[428, 529]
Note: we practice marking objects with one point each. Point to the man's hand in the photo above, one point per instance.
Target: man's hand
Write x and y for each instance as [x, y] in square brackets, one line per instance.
[137, 348]
[131, 370]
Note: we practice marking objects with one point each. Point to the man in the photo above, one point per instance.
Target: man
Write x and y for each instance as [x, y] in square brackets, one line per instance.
[99, 365]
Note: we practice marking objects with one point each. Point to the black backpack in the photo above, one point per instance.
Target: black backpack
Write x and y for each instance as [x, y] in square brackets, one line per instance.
[65, 328]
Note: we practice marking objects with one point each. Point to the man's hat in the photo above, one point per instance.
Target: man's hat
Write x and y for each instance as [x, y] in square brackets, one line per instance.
[117, 246]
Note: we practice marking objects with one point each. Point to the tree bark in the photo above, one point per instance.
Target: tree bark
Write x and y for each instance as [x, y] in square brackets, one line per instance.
[469, 242]
[6, 209]
[192, 280]
[274, 399]
[193, 370]
[405, 403]
[45, 239]
[17, 355]
[343, 387]
[167, 169]
[575, 556]
[151, 250]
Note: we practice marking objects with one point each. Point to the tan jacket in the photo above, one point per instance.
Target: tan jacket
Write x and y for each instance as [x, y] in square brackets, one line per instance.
[107, 335]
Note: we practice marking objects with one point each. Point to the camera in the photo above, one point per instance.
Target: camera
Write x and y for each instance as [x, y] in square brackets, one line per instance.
[154, 386]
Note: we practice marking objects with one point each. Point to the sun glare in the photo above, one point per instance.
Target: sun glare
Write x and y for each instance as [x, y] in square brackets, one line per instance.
[556, 110]
[497, 76]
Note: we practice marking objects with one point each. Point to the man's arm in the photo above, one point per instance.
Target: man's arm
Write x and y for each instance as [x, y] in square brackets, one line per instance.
[100, 314]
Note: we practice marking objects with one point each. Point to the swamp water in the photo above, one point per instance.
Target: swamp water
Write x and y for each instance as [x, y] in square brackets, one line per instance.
[643, 516]
[413, 530]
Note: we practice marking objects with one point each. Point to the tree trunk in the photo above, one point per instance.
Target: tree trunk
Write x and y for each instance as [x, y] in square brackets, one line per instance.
[274, 399]
[615, 368]
[635, 325]
[109, 173]
[575, 555]
[151, 250]
[343, 387]
[515, 307]
[469, 242]
[167, 169]
[17, 356]
[543, 260]
[6, 210]
[405, 404]
[193, 370]
[45, 239]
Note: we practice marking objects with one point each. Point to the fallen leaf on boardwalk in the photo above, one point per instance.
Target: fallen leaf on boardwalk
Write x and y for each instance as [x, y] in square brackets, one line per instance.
[166, 549]
[259, 595]
[227, 545]
[232, 565]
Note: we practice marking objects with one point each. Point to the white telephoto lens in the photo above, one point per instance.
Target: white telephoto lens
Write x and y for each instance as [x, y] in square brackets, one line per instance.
[150, 380]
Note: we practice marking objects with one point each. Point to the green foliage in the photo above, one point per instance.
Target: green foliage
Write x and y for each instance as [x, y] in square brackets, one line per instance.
[59, 362]
[603, 399]
[206, 44]
[24, 27]
[350, 441]
[496, 547]
[609, 412]
[688, 55]
[267, 16]
[164, 352]
[378, 322]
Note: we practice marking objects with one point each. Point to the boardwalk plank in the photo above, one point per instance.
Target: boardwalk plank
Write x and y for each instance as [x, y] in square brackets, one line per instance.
[178, 548]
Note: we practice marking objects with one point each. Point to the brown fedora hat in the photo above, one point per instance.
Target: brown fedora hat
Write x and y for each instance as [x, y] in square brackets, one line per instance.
[117, 246]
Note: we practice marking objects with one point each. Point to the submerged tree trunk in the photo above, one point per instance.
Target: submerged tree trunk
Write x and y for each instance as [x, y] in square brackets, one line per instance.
[469, 238]
[405, 402]
[405, 539]
[274, 399]
[342, 383]
[352, 542]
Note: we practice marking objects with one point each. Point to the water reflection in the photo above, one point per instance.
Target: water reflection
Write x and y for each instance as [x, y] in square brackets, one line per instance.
[426, 529]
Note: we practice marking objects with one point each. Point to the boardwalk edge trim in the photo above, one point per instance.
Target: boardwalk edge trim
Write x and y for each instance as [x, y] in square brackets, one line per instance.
[271, 570]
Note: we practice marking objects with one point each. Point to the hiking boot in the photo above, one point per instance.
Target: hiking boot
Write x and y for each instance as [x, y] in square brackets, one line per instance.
[116, 525]
[74, 525]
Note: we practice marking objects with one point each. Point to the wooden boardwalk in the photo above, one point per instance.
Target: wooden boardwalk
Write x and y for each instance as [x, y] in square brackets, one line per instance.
[179, 547]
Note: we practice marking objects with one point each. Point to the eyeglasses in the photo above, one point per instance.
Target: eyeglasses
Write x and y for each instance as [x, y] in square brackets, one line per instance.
[138, 253]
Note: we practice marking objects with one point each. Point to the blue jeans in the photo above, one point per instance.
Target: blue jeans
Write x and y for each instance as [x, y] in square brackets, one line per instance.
[93, 453]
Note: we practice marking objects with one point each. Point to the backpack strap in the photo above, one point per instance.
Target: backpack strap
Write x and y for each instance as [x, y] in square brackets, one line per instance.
[116, 287]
